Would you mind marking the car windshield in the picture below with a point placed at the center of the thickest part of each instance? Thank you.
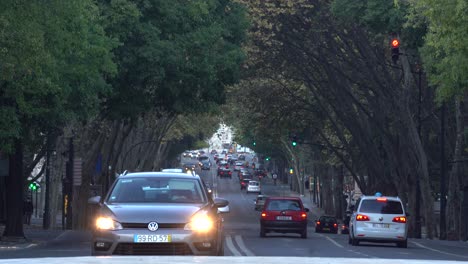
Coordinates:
(381, 207)
(282, 205)
(157, 190)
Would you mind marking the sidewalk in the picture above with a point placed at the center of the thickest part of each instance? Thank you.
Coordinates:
(34, 235)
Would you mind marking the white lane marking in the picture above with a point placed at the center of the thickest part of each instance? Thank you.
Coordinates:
(333, 241)
(242, 246)
(438, 251)
(231, 246)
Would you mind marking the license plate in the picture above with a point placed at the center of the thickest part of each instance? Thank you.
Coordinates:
(381, 225)
(326, 229)
(281, 217)
(152, 238)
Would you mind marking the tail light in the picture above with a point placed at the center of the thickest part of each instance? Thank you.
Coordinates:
(361, 217)
(399, 219)
(381, 199)
(318, 222)
(343, 227)
(264, 214)
(335, 225)
(304, 215)
(230, 173)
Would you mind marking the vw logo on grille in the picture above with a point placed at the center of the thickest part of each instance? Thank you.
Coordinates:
(153, 226)
(381, 219)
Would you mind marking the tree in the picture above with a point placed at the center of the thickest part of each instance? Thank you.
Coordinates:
(53, 58)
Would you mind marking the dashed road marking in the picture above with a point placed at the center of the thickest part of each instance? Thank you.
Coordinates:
(439, 251)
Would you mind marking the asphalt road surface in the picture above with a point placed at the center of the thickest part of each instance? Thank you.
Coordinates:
(242, 235)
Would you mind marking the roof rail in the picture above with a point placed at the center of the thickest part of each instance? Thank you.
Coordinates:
(124, 173)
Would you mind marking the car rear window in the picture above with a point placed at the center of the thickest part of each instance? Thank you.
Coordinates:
(381, 207)
(253, 183)
(326, 219)
(282, 205)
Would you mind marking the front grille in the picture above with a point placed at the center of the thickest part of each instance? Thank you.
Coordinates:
(145, 225)
(152, 249)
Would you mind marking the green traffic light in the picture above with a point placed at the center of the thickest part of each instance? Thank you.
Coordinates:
(294, 143)
(254, 143)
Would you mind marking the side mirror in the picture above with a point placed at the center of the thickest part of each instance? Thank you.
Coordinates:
(219, 202)
(94, 200)
(224, 210)
(307, 209)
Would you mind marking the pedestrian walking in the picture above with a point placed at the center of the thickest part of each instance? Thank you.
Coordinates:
(28, 210)
(274, 176)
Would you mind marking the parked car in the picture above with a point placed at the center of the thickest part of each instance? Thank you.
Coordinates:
(254, 186)
(326, 224)
(180, 216)
(379, 219)
(284, 215)
(260, 202)
(213, 151)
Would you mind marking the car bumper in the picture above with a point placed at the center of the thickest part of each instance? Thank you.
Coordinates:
(327, 229)
(381, 235)
(284, 225)
(183, 242)
(253, 190)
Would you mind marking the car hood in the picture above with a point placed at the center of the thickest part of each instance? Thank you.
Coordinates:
(144, 213)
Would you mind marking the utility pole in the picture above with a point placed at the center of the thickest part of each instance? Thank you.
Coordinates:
(46, 218)
(443, 200)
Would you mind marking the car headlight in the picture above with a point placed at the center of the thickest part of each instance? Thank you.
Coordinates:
(200, 222)
(107, 223)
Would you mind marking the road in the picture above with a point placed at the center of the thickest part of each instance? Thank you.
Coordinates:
(242, 235)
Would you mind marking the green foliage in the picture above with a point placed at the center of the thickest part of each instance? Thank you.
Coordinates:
(53, 57)
(382, 18)
(178, 55)
(445, 52)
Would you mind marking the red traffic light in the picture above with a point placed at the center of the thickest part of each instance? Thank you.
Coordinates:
(395, 43)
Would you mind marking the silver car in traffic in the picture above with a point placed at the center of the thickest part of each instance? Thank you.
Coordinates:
(158, 213)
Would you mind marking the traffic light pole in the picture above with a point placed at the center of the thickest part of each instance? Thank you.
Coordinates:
(46, 218)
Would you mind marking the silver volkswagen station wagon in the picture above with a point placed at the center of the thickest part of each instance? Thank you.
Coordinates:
(158, 213)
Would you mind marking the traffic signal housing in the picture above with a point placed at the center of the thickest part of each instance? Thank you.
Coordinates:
(395, 50)
(294, 141)
(33, 186)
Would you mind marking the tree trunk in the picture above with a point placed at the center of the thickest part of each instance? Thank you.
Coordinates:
(454, 194)
(15, 195)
